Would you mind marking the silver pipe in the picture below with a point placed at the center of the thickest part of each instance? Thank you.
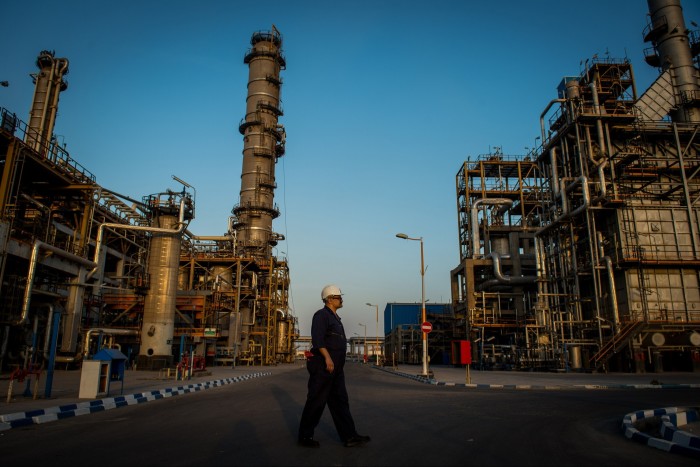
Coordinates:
(34, 260)
(68, 359)
(108, 331)
(212, 238)
(583, 180)
(598, 112)
(555, 171)
(505, 205)
(496, 257)
(100, 235)
(600, 164)
(613, 292)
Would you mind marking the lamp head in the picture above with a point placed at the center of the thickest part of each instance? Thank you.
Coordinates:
(402, 235)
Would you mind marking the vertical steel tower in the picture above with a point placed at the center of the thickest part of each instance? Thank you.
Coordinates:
(668, 34)
(48, 84)
(263, 140)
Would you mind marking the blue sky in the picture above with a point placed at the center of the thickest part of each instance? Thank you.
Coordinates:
(383, 102)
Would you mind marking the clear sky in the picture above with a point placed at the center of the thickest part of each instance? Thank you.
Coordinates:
(383, 101)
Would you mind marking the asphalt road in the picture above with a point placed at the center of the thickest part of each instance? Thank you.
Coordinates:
(255, 423)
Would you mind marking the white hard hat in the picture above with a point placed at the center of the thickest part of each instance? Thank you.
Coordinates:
(330, 290)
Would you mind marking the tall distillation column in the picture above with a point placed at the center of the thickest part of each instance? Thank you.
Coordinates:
(264, 140)
(668, 34)
(263, 144)
(168, 212)
(48, 84)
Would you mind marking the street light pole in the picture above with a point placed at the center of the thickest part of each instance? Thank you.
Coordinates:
(376, 348)
(424, 336)
(364, 348)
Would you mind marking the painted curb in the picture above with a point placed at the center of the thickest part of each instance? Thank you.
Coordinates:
(684, 447)
(50, 414)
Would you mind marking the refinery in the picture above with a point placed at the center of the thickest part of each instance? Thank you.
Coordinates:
(83, 267)
(581, 255)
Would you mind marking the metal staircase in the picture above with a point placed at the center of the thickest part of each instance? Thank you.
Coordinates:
(613, 345)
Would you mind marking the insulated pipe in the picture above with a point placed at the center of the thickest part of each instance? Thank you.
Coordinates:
(34, 260)
(583, 180)
(555, 180)
(611, 281)
(100, 235)
(108, 331)
(503, 279)
(505, 205)
(598, 123)
(555, 171)
(213, 238)
(600, 164)
(613, 292)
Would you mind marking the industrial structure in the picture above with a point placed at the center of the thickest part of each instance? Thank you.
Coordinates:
(84, 268)
(585, 253)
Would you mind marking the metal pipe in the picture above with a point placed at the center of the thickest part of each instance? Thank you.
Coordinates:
(496, 257)
(555, 171)
(600, 164)
(613, 292)
(108, 331)
(505, 205)
(544, 112)
(100, 235)
(47, 336)
(34, 260)
(215, 238)
(686, 194)
(598, 112)
(583, 180)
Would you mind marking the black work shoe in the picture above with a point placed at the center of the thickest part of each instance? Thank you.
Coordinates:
(309, 443)
(356, 440)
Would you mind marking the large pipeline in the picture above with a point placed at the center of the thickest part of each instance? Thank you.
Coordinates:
(504, 204)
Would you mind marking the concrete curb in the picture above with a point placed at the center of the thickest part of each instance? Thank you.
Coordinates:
(19, 419)
(682, 446)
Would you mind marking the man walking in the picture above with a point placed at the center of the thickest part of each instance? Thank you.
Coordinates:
(326, 377)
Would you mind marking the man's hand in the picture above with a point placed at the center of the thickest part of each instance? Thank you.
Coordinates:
(329, 365)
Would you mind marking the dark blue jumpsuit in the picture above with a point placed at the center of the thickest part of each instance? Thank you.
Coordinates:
(326, 388)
